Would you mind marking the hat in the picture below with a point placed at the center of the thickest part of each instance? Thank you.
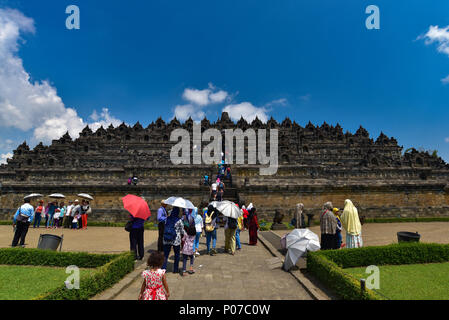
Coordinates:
(76, 200)
(335, 210)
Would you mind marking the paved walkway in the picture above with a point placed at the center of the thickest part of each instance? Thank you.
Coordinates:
(380, 234)
(252, 274)
(93, 239)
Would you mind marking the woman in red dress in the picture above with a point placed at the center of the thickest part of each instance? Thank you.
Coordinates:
(253, 226)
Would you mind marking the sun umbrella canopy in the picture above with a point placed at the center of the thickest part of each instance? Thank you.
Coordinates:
(85, 196)
(57, 196)
(298, 242)
(179, 202)
(227, 208)
(33, 195)
(136, 206)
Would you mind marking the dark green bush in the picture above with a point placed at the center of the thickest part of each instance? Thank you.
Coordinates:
(328, 265)
(20, 256)
(90, 285)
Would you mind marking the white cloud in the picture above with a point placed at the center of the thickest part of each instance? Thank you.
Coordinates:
(446, 139)
(438, 35)
(183, 112)
(32, 106)
(247, 111)
(278, 102)
(445, 80)
(204, 97)
(4, 157)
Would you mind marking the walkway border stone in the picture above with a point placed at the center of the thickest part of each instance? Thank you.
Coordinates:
(311, 289)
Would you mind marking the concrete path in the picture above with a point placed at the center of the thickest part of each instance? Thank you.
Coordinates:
(380, 234)
(252, 274)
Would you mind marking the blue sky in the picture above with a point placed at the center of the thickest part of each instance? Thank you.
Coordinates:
(308, 60)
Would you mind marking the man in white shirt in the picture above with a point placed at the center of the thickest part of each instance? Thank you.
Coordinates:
(213, 190)
(21, 221)
(68, 216)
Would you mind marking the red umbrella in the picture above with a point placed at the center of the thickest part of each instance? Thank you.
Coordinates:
(137, 206)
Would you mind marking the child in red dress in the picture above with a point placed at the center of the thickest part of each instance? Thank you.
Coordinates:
(154, 286)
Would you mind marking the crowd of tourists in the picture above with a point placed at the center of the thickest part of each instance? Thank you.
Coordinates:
(181, 230)
(55, 215)
(332, 223)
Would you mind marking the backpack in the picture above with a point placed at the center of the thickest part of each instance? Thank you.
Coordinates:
(169, 230)
(208, 222)
(232, 223)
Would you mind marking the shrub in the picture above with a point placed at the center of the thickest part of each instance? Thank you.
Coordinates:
(328, 265)
(110, 268)
(90, 285)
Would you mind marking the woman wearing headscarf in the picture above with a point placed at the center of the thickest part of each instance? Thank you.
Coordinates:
(253, 225)
(351, 223)
(173, 231)
(328, 227)
(245, 217)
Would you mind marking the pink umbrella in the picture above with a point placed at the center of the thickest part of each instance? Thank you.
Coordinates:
(137, 206)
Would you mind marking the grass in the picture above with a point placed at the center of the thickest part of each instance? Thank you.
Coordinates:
(27, 282)
(411, 282)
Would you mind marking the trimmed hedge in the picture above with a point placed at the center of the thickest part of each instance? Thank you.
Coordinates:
(105, 277)
(38, 257)
(328, 265)
(110, 268)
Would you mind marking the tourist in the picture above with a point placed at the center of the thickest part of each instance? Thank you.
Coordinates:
(230, 227)
(221, 189)
(240, 228)
(173, 232)
(154, 286)
(135, 180)
(229, 175)
(67, 221)
(188, 239)
(136, 237)
(298, 220)
(351, 222)
(130, 181)
(51, 213)
(21, 222)
(328, 227)
(161, 218)
(339, 227)
(39, 211)
(213, 191)
(253, 225)
(206, 180)
(211, 226)
(74, 224)
(245, 217)
(85, 211)
(199, 230)
(76, 214)
(56, 217)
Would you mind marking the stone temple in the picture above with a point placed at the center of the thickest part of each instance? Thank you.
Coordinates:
(316, 164)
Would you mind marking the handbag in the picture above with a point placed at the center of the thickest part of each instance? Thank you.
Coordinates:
(129, 226)
(21, 217)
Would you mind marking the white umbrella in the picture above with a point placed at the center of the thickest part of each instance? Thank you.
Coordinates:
(227, 208)
(57, 196)
(179, 202)
(85, 196)
(33, 195)
(298, 242)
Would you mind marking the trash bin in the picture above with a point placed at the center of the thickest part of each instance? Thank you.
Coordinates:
(49, 242)
(404, 236)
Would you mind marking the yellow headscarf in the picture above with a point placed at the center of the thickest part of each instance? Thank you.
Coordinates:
(350, 219)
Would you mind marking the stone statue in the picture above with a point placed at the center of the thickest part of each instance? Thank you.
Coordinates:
(277, 221)
(299, 219)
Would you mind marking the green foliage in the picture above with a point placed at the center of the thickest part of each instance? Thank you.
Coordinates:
(38, 257)
(110, 269)
(328, 265)
(419, 219)
(92, 284)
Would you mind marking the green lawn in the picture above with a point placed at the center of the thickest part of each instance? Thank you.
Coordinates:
(27, 282)
(411, 282)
